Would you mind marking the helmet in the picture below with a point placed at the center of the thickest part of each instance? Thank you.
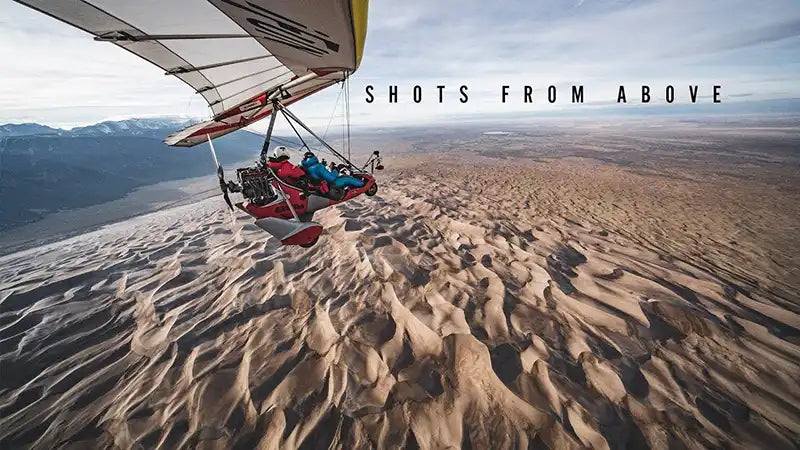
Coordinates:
(309, 159)
(281, 151)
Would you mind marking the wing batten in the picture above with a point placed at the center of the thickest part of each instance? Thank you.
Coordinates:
(243, 77)
(121, 36)
(182, 70)
(250, 88)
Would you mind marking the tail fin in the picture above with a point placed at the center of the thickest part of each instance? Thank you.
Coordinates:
(291, 232)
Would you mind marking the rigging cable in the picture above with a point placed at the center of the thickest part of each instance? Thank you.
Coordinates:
(333, 113)
(295, 129)
(344, 89)
(347, 107)
(316, 148)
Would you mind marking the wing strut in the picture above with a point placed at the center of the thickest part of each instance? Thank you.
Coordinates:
(265, 147)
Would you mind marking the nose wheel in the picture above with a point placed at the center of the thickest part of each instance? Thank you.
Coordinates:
(310, 244)
(372, 190)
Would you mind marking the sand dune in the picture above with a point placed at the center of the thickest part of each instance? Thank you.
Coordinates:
(563, 305)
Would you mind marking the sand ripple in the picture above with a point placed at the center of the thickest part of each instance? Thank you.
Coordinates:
(451, 320)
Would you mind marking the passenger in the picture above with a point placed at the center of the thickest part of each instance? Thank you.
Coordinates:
(283, 168)
(318, 171)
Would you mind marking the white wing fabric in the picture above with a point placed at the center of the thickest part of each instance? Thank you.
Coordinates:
(234, 53)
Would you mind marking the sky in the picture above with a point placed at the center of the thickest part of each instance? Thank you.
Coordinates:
(57, 75)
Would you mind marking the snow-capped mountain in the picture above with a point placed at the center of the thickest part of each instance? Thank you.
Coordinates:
(158, 127)
(151, 127)
(26, 129)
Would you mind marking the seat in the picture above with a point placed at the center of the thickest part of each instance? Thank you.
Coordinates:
(309, 184)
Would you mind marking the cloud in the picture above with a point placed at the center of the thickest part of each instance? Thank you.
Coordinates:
(761, 35)
(750, 48)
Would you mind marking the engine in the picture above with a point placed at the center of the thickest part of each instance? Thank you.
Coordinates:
(256, 184)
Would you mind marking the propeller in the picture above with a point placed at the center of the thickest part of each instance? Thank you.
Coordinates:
(220, 175)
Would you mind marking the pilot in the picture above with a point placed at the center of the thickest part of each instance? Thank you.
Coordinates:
(283, 168)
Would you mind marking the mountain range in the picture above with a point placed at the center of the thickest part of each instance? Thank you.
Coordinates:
(44, 170)
(151, 127)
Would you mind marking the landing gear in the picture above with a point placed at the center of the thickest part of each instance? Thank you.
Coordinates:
(372, 190)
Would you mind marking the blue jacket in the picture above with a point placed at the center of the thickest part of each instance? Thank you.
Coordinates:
(318, 171)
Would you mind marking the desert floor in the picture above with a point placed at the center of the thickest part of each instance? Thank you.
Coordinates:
(481, 299)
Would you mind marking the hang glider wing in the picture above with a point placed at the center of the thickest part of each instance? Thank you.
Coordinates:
(235, 53)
